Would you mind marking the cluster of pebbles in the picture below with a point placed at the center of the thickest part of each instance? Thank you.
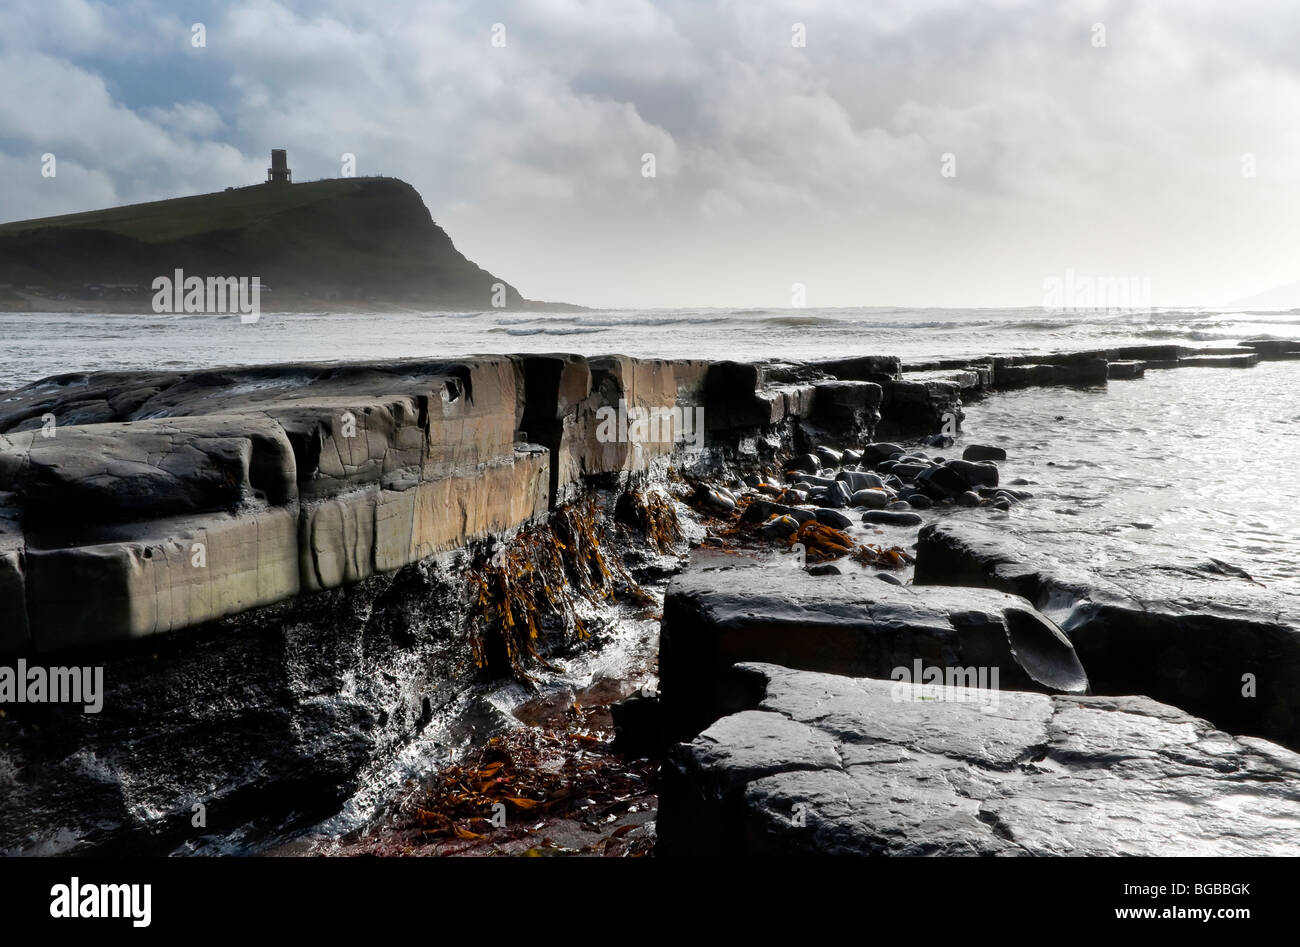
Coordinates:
(886, 481)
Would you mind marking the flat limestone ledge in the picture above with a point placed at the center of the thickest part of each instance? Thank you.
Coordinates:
(1245, 360)
(186, 571)
(1094, 367)
(163, 575)
(348, 538)
(1194, 633)
(823, 764)
(850, 624)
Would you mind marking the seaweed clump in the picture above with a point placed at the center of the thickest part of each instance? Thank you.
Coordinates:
(538, 582)
(517, 782)
(653, 515)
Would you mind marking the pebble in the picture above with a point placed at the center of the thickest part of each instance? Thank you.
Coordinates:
(815, 481)
(875, 453)
(858, 480)
(780, 527)
(825, 568)
(717, 499)
(876, 499)
(891, 518)
(983, 452)
(838, 495)
(760, 511)
(833, 518)
(808, 463)
(891, 579)
(908, 471)
(828, 456)
(969, 498)
(976, 475)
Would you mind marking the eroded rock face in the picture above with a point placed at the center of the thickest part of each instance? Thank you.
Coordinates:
(851, 624)
(267, 719)
(1191, 633)
(201, 497)
(824, 764)
(167, 501)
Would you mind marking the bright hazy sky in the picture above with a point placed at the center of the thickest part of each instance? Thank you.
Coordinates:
(776, 164)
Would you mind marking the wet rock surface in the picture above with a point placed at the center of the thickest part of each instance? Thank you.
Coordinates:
(265, 719)
(1194, 633)
(321, 635)
(826, 764)
(851, 624)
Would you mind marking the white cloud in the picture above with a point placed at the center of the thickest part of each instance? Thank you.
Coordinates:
(775, 164)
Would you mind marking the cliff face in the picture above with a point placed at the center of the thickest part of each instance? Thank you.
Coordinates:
(169, 500)
(270, 563)
(349, 241)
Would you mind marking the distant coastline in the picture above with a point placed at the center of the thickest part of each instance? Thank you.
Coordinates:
(343, 244)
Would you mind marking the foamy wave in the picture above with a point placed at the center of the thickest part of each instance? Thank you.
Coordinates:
(571, 330)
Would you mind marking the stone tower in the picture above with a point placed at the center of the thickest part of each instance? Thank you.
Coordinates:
(278, 172)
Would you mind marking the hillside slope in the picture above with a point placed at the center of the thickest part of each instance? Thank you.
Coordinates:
(347, 242)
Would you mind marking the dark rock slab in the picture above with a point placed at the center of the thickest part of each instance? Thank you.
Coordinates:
(1189, 633)
(1081, 372)
(1126, 369)
(892, 518)
(829, 765)
(978, 452)
(1274, 349)
(844, 411)
(851, 624)
(918, 408)
(1245, 360)
(1155, 356)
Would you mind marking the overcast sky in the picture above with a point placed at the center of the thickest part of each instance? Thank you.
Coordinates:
(775, 164)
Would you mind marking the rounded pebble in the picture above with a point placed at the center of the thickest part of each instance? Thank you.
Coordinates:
(891, 518)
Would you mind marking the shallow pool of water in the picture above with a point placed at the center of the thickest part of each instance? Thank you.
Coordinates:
(1188, 462)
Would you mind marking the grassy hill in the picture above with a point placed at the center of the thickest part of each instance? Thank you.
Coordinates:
(350, 241)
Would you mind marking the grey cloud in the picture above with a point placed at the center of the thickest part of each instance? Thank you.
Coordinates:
(776, 164)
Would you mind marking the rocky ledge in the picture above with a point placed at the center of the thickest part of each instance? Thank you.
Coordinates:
(848, 624)
(287, 572)
(1196, 633)
(824, 764)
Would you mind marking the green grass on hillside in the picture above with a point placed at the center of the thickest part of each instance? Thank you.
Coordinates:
(180, 217)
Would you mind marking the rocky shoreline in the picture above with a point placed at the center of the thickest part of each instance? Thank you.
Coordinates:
(289, 572)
